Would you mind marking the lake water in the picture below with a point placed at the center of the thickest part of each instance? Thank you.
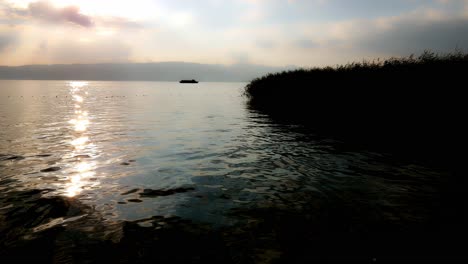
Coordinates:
(165, 171)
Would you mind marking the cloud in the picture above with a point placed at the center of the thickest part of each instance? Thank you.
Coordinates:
(402, 35)
(118, 22)
(69, 15)
(33, 45)
(6, 40)
(396, 35)
(241, 57)
(271, 32)
(337, 42)
(45, 11)
(104, 51)
(410, 37)
(305, 43)
(266, 44)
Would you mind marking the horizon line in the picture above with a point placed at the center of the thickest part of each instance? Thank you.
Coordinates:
(160, 62)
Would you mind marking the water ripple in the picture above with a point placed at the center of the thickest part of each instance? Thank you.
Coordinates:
(135, 151)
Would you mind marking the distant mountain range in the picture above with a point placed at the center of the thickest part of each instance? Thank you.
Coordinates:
(162, 71)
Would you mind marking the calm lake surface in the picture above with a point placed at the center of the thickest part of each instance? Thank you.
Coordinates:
(143, 171)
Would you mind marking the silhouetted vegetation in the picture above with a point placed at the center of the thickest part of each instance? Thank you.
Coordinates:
(413, 105)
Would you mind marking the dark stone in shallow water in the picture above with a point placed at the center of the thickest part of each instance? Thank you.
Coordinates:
(51, 169)
(82, 156)
(225, 196)
(129, 192)
(155, 193)
(135, 200)
(125, 163)
(43, 155)
(14, 157)
(19, 244)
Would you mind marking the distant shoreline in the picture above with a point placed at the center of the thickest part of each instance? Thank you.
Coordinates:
(164, 71)
(86, 80)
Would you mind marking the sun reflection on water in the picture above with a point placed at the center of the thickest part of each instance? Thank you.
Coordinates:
(80, 143)
(78, 98)
(81, 123)
(81, 179)
(83, 172)
(77, 84)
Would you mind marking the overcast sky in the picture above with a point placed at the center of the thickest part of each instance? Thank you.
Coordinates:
(268, 32)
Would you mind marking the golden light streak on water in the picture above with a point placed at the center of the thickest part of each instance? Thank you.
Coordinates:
(80, 143)
(81, 180)
(84, 170)
(78, 98)
(77, 84)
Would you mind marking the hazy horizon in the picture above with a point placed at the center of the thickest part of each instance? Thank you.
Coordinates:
(163, 71)
(142, 63)
(261, 32)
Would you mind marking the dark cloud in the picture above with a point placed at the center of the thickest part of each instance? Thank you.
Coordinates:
(47, 12)
(390, 36)
(409, 36)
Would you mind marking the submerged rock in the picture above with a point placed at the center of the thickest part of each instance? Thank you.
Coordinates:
(134, 200)
(43, 155)
(51, 169)
(11, 157)
(84, 156)
(129, 192)
(155, 193)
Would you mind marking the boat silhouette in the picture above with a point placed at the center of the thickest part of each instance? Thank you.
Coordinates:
(188, 81)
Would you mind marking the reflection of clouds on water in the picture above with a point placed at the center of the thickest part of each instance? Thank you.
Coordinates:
(83, 171)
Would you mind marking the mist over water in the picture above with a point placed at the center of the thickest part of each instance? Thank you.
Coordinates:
(139, 152)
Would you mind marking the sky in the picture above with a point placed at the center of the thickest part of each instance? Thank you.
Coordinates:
(303, 33)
